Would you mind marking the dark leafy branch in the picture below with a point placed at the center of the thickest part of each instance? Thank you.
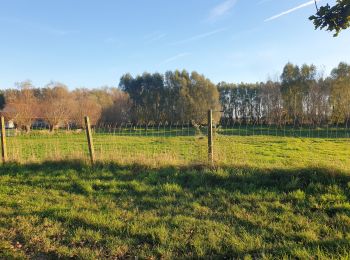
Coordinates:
(334, 18)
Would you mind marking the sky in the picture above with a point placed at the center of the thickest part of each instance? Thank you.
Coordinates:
(92, 43)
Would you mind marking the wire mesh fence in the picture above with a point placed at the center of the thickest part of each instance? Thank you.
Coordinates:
(166, 143)
(235, 143)
(125, 143)
(287, 145)
(43, 145)
(284, 130)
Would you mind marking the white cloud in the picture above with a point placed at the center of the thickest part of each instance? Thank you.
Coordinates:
(291, 10)
(174, 58)
(222, 9)
(200, 36)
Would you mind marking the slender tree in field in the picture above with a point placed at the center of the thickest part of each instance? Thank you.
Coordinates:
(333, 18)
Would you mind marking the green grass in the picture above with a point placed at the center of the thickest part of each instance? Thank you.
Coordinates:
(153, 196)
(260, 151)
(286, 131)
(67, 209)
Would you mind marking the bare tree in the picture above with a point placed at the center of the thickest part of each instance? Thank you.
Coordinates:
(85, 104)
(57, 105)
(22, 105)
(119, 111)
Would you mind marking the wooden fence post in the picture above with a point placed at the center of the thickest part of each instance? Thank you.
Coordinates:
(3, 140)
(90, 141)
(210, 137)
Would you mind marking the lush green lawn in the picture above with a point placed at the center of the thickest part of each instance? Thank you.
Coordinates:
(268, 197)
(67, 209)
(260, 151)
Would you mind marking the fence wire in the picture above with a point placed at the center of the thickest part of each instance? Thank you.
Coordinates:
(285, 146)
(43, 145)
(155, 144)
(182, 143)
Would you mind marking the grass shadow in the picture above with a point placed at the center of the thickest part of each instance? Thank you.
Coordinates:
(218, 212)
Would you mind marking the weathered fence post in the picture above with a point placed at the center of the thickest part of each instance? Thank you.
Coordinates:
(3, 140)
(210, 137)
(90, 141)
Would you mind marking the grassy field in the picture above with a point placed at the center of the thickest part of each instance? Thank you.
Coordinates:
(262, 152)
(65, 210)
(153, 196)
(183, 148)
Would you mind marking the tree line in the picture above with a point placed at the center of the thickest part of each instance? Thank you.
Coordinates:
(300, 96)
(56, 106)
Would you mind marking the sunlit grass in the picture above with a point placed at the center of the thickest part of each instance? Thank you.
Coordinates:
(154, 196)
(260, 151)
(68, 210)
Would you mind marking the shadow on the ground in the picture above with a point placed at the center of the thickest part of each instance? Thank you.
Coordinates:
(192, 176)
(146, 187)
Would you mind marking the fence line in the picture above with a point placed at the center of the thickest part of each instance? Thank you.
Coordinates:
(3, 140)
(89, 139)
(231, 142)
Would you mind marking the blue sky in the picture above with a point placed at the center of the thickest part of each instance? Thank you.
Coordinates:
(91, 43)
